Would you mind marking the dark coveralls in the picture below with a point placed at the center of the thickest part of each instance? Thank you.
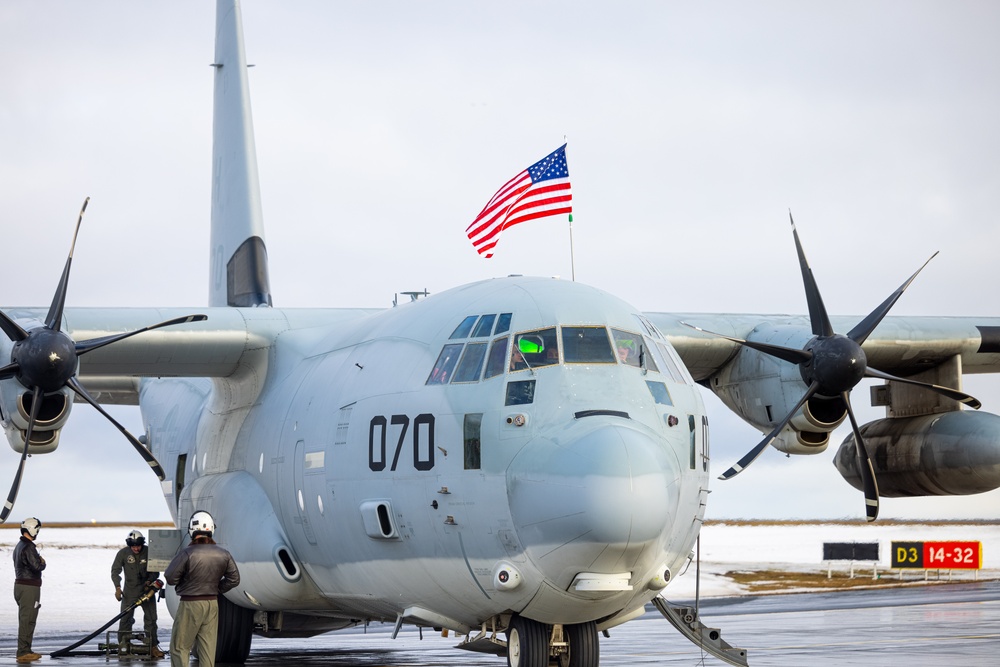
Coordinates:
(136, 579)
(28, 566)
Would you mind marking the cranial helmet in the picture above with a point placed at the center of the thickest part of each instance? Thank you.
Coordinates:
(201, 523)
(31, 526)
(135, 539)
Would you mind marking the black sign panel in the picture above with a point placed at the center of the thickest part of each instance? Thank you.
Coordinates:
(850, 551)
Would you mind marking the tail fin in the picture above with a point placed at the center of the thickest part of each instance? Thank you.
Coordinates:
(238, 264)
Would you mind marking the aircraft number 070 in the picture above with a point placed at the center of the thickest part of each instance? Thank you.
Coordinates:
(421, 439)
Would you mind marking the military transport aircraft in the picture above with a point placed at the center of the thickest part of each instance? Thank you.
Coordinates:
(523, 461)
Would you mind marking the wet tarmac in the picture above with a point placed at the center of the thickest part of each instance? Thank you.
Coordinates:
(925, 626)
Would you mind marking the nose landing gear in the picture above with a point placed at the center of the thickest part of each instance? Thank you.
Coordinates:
(534, 644)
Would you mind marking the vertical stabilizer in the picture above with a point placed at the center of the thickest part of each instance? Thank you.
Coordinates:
(238, 264)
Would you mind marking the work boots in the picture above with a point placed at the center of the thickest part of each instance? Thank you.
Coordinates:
(28, 657)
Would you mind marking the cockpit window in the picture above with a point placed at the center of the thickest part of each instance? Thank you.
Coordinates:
(484, 327)
(445, 364)
(671, 364)
(463, 329)
(627, 346)
(498, 355)
(471, 363)
(587, 345)
(503, 324)
(660, 393)
(533, 349)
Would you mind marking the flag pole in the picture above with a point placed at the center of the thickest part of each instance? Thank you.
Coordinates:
(572, 261)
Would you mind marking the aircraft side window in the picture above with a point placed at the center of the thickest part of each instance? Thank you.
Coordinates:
(692, 437)
(648, 360)
(673, 365)
(704, 443)
(472, 450)
(471, 363)
(445, 364)
(520, 393)
(484, 327)
(498, 355)
(534, 349)
(627, 346)
(503, 324)
(587, 345)
(660, 392)
(463, 329)
(650, 327)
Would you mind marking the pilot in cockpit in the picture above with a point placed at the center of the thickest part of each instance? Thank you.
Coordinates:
(626, 351)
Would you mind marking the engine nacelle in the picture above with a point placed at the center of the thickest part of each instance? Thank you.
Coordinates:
(950, 454)
(15, 410)
(762, 390)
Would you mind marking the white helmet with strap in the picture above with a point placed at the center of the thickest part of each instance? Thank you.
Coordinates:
(31, 526)
(135, 539)
(201, 523)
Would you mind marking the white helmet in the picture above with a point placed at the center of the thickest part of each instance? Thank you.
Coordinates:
(201, 523)
(135, 539)
(31, 526)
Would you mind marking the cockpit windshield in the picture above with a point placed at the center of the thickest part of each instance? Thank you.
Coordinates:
(533, 349)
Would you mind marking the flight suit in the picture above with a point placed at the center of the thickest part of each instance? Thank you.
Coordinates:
(28, 566)
(133, 565)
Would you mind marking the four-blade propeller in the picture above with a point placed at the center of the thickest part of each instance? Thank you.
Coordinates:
(831, 365)
(45, 360)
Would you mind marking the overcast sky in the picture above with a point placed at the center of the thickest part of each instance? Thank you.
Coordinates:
(383, 127)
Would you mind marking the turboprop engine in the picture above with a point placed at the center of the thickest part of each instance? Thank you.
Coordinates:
(761, 389)
(950, 454)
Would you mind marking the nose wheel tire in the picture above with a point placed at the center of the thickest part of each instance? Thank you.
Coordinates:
(527, 643)
(584, 645)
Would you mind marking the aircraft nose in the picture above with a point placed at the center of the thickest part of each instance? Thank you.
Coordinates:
(595, 497)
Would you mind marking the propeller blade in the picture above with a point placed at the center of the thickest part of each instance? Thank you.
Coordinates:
(8, 505)
(52, 320)
(818, 318)
(752, 455)
(90, 345)
(867, 471)
(859, 334)
(789, 354)
(75, 385)
(11, 328)
(953, 394)
(10, 370)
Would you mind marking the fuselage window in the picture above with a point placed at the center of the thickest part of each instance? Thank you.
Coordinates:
(520, 393)
(471, 363)
(587, 345)
(534, 349)
(627, 345)
(498, 355)
(445, 363)
(503, 324)
(473, 429)
(463, 329)
(693, 436)
(660, 393)
(484, 327)
(704, 443)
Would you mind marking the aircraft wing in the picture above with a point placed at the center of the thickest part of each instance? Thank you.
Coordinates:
(903, 346)
(230, 339)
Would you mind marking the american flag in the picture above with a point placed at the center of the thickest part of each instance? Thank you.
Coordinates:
(539, 191)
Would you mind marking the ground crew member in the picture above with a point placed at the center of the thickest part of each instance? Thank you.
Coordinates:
(132, 559)
(28, 566)
(200, 572)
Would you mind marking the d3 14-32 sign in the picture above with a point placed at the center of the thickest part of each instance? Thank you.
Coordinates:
(938, 555)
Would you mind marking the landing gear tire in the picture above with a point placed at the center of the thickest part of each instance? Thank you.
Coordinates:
(584, 644)
(527, 643)
(235, 632)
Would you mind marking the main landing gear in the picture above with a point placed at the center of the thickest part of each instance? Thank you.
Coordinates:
(534, 644)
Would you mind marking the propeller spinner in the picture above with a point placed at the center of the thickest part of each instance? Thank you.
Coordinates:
(831, 365)
(45, 359)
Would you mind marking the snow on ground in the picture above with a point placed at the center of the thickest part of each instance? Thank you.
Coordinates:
(78, 596)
